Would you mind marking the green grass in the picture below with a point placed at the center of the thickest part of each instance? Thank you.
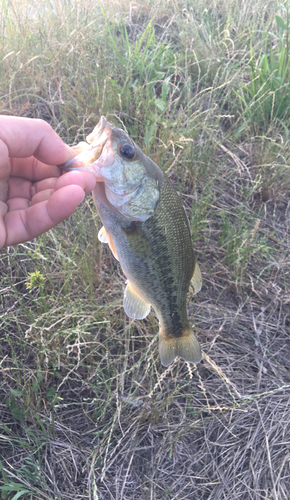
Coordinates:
(86, 409)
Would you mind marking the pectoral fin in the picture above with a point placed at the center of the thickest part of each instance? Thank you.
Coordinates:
(104, 237)
(196, 280)
(135, 307)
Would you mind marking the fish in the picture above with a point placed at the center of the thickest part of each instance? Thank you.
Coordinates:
(147, 230)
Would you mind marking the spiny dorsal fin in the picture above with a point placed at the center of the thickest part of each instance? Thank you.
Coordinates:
(135, 307)
(196, 280)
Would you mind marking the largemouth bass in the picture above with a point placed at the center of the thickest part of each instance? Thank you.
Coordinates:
(147, 231)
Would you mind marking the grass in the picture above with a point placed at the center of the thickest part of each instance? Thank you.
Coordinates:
(86, 409)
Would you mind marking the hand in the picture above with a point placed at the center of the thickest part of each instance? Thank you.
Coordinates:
(34, 195)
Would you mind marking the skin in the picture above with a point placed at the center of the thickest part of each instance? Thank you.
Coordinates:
(34, 195)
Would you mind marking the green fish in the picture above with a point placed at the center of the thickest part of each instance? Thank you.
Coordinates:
(147, 231)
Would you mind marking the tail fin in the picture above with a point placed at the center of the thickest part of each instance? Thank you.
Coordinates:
(186, 347)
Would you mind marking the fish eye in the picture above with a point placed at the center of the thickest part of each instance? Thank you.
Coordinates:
(127, 151)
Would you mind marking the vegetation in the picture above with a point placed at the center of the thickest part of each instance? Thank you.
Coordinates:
(86, 409)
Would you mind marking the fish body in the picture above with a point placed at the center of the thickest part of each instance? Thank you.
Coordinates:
(148, 232)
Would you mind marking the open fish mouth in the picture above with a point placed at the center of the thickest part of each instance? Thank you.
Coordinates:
(98, 136)
(90, 151)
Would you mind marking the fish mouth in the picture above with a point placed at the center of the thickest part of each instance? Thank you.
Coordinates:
(90, 151)
(97, 138)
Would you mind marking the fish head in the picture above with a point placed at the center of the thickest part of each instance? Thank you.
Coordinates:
(129, 177)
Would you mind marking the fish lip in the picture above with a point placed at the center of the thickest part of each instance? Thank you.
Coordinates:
(94, 138)
(96, 141)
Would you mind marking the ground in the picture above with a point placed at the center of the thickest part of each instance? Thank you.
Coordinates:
(86, 409)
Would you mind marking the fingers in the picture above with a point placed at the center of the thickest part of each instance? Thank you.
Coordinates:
(20, 139)
(48, 207)
(24, 225)
(3, 211)
(20, 189)
(4, 171)
(87, 180)
(37, 196)
(24, 137)
(42, 190)
(32, 169)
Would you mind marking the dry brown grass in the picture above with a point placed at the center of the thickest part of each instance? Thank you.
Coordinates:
(86, 409)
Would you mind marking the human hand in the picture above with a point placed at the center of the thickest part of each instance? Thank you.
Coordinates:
(34, 195)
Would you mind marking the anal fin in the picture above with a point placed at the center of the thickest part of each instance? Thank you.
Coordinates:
(135, 307)
(186, 347)
(196, 280)
(104, 237)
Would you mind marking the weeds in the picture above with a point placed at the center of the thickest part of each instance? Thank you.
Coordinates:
(266, 98)
(86, 409)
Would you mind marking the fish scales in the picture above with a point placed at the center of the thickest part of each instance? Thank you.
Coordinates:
(148, 232)
(173, 259)
(163, 275)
